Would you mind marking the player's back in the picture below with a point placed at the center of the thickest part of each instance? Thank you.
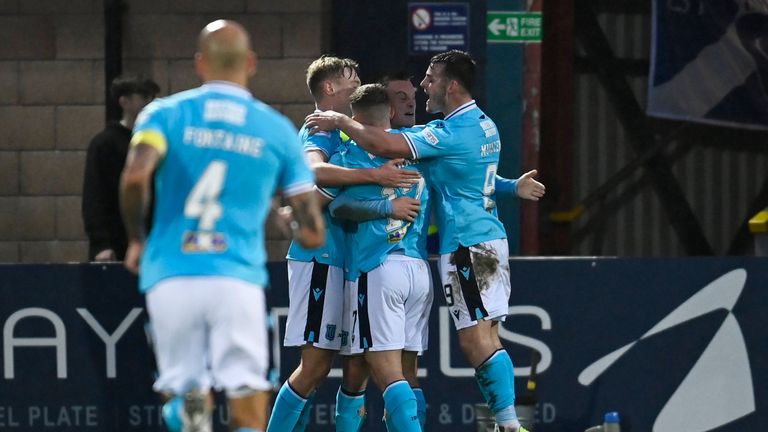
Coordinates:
(372, 240)
(226, 154)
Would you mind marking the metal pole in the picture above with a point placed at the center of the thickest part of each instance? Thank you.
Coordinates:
(113, 52)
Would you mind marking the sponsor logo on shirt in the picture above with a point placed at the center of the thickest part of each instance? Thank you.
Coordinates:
(493, 147)
(225, 111)
(489, 128)
(430, 137)
(203, 241)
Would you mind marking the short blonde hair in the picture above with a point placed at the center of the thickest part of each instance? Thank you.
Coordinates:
(328, 67)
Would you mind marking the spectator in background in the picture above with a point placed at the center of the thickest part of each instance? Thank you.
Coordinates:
(106, 157)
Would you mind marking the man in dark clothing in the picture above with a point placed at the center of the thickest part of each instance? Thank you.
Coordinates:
(104, 163)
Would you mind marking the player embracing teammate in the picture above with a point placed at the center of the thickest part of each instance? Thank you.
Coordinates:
(459, 156)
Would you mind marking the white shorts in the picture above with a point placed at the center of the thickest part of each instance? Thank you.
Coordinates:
(389, 307)
(476, 282)
(349, 320)
(209, 331)
(316, 303)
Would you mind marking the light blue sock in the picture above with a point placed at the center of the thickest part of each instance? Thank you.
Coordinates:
(350, 410)
(421, 405)
(303, 422)
(496, 380)
(400, 403)
(510, 367)
(287, 410)
(508, 416)
(172, 414)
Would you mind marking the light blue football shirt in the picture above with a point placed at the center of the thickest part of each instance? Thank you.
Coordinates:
(225, 155)
(460, 155)
(332, 252)
(369, 242)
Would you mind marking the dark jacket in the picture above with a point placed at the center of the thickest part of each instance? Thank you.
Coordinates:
(101, 184)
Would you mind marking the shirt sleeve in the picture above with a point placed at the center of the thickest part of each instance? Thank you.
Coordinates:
(432, 141)
(296, 176)
(506, 186)
(332, 192)
(322, 141)
(150, 128)
(348, 207)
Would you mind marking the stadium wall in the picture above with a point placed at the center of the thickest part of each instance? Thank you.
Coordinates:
(52, 95)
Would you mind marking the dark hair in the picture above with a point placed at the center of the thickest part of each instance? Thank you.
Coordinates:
(327, 67)
(459, 66)
(400, 75)
(369, 96)
(126, 85)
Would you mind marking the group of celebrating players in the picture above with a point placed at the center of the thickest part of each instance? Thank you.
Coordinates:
(217, 154)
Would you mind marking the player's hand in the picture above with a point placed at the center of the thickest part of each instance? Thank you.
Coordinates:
(391, 175)
(405, 208)
(528, 188)
(278, 224)
(323, 121)
(287, 223)
(133, 255)
(105, 256)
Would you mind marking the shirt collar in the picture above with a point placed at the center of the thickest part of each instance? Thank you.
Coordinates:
(462, 109)
(227, 87)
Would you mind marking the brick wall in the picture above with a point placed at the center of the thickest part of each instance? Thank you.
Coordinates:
(52, 97)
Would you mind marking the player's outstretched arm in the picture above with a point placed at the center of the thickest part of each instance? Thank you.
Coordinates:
(375, 140)
(387, 175)
(505, 186)
(528, 188)
(135, 196)
(308, 225)
(524, 187)
(332, 175)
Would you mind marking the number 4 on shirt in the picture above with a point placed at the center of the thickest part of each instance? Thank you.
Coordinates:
(203, 201)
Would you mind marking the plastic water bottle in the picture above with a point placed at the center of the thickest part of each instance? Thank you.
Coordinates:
(611, 422)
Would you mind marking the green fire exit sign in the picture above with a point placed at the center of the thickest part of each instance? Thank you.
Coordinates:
(513, 26)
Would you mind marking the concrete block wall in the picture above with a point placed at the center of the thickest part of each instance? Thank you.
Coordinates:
(52, 95)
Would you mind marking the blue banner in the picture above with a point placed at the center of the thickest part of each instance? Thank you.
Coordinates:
(709, 62)
(672, 344)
